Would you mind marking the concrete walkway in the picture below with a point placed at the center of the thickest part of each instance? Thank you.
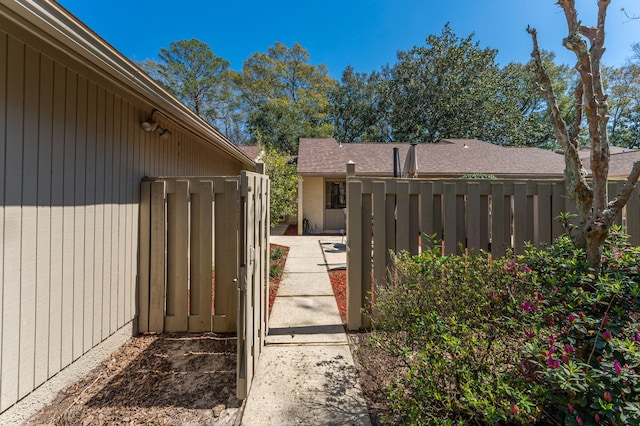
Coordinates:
(306, 374)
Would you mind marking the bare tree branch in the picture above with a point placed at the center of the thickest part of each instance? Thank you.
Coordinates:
(575, 174)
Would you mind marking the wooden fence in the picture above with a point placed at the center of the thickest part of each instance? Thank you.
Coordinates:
(492, 215)
(204, 260)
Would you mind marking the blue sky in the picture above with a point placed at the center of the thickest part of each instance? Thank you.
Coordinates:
(338, 33)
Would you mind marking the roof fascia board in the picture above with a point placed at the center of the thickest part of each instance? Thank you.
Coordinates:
(50, 21)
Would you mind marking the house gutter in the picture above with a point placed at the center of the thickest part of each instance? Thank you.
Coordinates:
(50, 21)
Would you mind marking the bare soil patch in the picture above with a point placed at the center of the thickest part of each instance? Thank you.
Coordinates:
(167, 379)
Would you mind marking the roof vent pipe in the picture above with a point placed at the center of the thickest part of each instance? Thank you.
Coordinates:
(396, 162)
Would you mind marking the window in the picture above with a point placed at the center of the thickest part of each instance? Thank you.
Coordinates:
(335, 195)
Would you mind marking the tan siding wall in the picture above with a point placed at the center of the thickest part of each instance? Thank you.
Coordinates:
(313, 201)
(72, 155)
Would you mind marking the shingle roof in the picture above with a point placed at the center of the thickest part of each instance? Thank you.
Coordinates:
(620, 162)
(449, 157)
(252, 151)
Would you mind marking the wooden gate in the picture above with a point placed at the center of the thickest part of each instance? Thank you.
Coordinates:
(204, 259)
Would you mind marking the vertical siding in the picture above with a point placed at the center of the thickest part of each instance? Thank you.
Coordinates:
(12, 224)
(44, 230)
(3, 128)
(72, 155)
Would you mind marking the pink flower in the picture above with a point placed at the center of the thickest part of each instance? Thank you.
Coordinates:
(529, 335)
(608, 397)
(565, 358)
(515, 410)
(617, 367)
(570, 407)
(571, 318)
(550, 320)
(606, 335)
(526, 306)
(554, 289)
(581, 315)
(539, 296)
(552, 341)
(568, 348)
(597, 418)
(579, 420)
(553, 363)
(525, 268)
(605, 320)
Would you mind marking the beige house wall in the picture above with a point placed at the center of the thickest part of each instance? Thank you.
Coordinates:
(313, 202)
(73, 154)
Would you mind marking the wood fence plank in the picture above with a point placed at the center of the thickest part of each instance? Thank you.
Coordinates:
(177, 256)
(201, 255)
(367, 232)
(389, 227)
(414, 224)
(379, 234)
(613, 190)
(520, 217)
(144, 254)
(558, 205)
(633, 217)
(498, 237)
(354, 254)
(157, 257)
(226, 253)
(450, 218)
(402, 215)
(473, 216)
(461, 222)
(543, 215)
(426, 210)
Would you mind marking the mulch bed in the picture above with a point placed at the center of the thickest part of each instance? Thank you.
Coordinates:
(274, 282)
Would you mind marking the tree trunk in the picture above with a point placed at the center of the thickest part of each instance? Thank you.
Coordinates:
(595, 213)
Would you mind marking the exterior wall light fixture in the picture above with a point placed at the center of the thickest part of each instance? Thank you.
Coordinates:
(150, 125)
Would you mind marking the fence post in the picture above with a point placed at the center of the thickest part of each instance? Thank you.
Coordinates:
(354, 251)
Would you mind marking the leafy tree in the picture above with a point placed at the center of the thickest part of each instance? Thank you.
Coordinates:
(284, 96)
(201, 80)
(356, 113)
(595, 212)
(532, 127)
(450, 88)
(283, 174)
(624, 99)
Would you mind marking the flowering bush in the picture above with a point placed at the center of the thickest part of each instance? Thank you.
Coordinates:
(520, 339)
(583, 331)
(449, 318)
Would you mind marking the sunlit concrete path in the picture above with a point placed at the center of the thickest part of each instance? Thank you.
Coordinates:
(306, 374)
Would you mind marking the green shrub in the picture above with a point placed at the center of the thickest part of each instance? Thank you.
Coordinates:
(276, 253)
(449, 319)
(478, 176)
(520, 339)
(584, 331)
